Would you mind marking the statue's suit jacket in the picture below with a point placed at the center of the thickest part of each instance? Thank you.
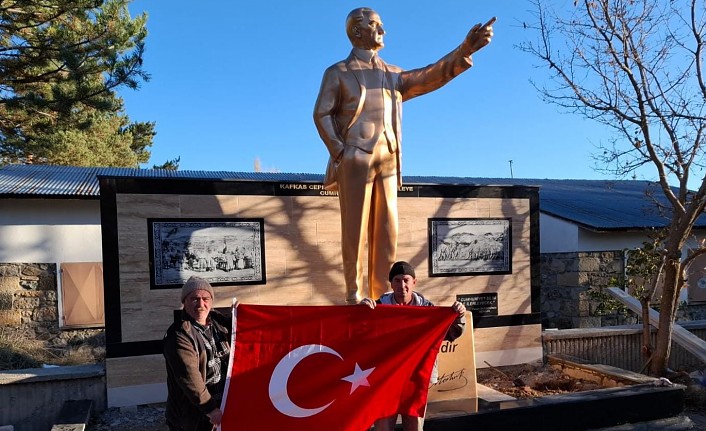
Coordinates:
(342, 96)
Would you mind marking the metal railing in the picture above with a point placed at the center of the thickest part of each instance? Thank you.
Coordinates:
(618, 346)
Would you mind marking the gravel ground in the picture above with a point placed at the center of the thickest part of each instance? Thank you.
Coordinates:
(151, 418)
(141, 418)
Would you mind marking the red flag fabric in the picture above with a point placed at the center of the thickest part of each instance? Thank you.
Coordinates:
(330, 368)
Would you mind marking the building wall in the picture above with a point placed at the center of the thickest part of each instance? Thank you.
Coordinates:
(599, 241)
(557, 235)
(50, 230)
(560, 236)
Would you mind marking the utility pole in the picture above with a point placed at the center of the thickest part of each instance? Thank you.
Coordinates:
(511, 169)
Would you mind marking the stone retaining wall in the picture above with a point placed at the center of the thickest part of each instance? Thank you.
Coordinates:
(28, 305)
(569, 281)
(566, 279)
(28, 296)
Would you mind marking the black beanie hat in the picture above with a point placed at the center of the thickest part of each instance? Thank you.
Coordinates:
(403, 268)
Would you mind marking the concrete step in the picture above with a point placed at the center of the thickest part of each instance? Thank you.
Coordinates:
(676, 423)
(74, 416)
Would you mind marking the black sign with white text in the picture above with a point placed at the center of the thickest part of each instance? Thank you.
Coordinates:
(480, 304)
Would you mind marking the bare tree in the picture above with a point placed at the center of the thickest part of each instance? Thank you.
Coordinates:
(636, 66)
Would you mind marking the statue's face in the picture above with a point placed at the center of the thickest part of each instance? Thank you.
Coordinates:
(370, 32)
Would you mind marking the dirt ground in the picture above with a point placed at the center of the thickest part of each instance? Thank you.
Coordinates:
(531, 380)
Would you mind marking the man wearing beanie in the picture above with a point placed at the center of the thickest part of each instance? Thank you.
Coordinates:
(196, 349)
(403, 281)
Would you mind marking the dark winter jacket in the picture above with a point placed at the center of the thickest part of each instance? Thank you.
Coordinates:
(188, 399)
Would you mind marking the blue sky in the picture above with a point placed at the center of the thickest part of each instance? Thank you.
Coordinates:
(235, 82)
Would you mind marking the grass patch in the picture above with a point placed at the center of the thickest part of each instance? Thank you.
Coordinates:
(19, 349)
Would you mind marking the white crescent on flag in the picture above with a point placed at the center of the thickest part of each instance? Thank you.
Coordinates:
(280, 376)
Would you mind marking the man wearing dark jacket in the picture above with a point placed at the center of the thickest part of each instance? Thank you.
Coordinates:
(196, 349)
(403, 280)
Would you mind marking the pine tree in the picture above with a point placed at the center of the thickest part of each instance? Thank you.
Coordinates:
(61, 63)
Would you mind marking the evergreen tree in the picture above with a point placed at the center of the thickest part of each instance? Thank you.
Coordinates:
(61, 62)
(170, 165)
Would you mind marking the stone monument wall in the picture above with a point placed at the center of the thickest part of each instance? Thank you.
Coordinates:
(157, 232)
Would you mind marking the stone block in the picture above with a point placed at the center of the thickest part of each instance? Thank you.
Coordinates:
(569, 308)
(45, 314)
(572, 265)
(567, 279)
(9, 284)
(584, 308)
(551, 307)
(10, 318)
(586, 322)
(31, 271)
(47, 282)
(589, 264)
(557, 265)
(26, 303)
(551, 294)
(9, 270)
(599, 281)
(29, 283)
(616, 267)
(548, 280)
(6, 299)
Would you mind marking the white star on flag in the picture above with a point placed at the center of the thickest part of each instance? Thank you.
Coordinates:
(359, 377)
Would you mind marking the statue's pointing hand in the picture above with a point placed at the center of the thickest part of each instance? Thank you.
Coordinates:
(479, 36)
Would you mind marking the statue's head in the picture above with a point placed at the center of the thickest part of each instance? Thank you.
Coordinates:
(364, 29)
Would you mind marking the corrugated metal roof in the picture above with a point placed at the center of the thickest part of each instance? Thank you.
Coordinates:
(601, 205)
(82, 182)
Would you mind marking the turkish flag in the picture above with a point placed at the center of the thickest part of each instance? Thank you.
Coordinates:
(330, 368)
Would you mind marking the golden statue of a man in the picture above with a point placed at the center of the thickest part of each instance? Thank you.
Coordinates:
(358, 116)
